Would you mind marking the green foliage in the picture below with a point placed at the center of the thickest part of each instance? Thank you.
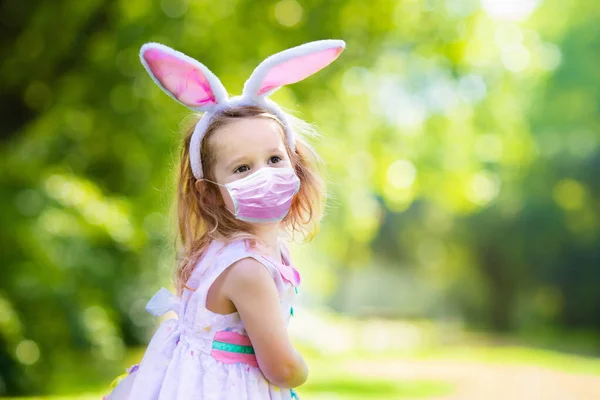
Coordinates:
(461, 147)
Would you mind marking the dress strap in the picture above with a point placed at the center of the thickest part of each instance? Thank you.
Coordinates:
(285, 268)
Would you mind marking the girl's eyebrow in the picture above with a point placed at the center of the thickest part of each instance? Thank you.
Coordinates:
(236, 161)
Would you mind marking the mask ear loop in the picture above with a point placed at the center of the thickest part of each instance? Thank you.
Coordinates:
(208, 180)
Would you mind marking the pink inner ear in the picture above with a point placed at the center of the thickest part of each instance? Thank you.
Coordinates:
(186, 81)
(298, 68)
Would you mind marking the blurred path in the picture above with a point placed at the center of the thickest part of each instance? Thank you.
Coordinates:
(481, 381)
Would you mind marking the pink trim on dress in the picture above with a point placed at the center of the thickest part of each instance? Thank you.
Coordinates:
(229, 357)
(232, 338)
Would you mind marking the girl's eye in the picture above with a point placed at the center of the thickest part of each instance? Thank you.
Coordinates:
(275, 159)
(242, 169)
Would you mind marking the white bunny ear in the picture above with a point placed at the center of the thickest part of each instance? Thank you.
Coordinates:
(291, 66)
(183, 78)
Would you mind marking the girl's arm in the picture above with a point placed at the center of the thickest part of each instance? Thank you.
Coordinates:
(249, 285)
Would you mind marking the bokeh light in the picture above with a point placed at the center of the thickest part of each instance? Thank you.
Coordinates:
(512, 10)
(458, 254)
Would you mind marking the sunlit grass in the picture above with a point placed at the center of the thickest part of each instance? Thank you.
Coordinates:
(334, 376)
(517, 355)
(354, 388)
(330, 379)
(505, 355)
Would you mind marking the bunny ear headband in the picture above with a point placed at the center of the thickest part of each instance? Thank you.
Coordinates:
(196, 87)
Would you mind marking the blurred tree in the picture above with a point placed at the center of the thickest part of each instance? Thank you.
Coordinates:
(460, 144)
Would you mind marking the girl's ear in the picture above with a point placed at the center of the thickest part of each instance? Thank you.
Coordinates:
(291, 66)
(183, 78)
(210, 194)
(199, 185)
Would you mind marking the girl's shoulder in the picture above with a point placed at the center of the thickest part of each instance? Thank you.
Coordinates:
(220, 255)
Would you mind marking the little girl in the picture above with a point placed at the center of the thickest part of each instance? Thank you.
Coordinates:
(245, 178)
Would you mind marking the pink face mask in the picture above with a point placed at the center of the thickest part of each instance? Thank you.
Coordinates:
(264, 196)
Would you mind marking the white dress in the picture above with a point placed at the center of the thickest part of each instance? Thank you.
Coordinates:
(202, 355)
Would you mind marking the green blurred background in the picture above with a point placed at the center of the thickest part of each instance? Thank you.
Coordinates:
(460, 254)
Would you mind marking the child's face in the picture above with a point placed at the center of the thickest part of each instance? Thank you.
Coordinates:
(245, 146)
